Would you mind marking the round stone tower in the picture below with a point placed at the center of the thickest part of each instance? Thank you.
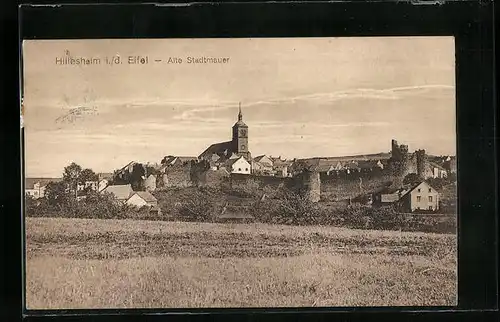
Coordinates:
(421, 163)
(311, 185)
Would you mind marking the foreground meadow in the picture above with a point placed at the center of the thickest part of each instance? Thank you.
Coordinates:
(90, 263)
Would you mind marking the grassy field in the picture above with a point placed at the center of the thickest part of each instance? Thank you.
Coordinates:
(77, 263)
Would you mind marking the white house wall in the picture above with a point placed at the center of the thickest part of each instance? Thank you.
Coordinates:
(241, 166)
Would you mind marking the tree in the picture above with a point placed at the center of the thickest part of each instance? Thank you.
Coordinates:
(87, 175)
(411, 178)
(136, 177)
(71, 176)
(56, 194)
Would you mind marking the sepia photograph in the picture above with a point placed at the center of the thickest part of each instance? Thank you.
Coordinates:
(239, 172)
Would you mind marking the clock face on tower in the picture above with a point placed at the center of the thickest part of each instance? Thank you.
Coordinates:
(243, 147)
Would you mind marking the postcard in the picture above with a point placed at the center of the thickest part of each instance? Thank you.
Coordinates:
(240, 172)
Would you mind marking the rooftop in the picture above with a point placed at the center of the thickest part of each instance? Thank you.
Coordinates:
(146, 195)
(121, 192)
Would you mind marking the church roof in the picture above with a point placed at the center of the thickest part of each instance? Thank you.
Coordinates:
(216, 148)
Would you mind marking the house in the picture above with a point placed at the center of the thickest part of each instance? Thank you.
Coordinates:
(142, 199)
(420, 196)
(35, 187)
(390, 196)
(437, 171)
(102, 184)
(262, 165)
(325, 168)
(91, 185)
(281, 166)
(120, 192)
(352, 167)
(264, 160)
(240, 165)
(150, 183)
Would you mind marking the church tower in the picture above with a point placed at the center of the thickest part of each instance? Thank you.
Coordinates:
(240, 137)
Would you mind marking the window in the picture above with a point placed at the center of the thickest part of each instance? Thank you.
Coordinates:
(430, 198)
(418, 198)
(246, 169)
(430, 190)
(418, 190)
(239, 169)
(430, 208)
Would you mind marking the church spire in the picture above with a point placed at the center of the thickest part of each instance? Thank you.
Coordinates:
(240, 116)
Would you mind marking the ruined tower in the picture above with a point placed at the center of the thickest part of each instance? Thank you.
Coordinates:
(421, 163)
(310, 184)
(399, 158)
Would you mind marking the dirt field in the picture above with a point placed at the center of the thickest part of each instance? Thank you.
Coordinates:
(73, 263)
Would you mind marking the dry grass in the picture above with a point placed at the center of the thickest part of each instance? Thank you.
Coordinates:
(76, 263)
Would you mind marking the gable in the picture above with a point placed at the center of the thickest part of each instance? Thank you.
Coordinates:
(242, 161)
(136, 199)
(264, 159)
(423, 186)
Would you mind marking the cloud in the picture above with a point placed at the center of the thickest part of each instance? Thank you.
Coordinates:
(395, 93)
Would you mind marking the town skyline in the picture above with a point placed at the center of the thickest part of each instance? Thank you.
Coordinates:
(352, 98)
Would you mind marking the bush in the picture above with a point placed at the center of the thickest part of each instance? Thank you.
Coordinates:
(36, 207)
(250, 189)
(94, 205)
(282, 206)
(199, 204)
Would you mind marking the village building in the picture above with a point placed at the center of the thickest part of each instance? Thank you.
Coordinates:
(421, 197)
(150, 183)
(142, 199)
(418, 197)
(262, 165)
(238, 146)
(35, 187)
(239, 165)
(103, 183)
(281, 166)
(437, 171)
(120, 192)
(88, 185)
(104, 178)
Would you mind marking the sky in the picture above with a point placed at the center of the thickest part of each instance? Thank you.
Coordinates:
(300, 97)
